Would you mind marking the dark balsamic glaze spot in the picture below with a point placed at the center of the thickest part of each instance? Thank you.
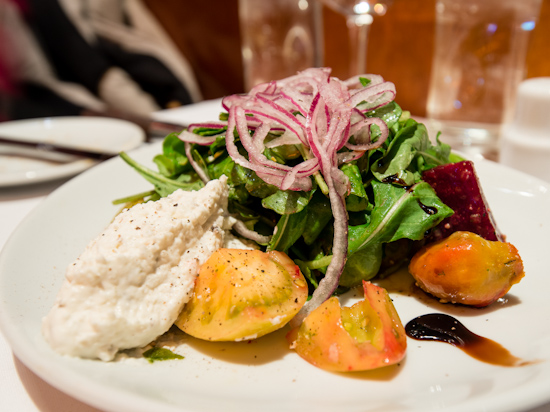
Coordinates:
(394, 179)
(430, 210)
(445, 328)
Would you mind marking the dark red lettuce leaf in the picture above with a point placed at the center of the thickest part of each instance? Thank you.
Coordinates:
(457, 185)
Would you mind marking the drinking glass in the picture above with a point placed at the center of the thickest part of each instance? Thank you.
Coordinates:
(478, 63)
(359, 16)
(279, 38)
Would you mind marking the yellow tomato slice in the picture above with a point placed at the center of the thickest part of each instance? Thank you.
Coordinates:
(242, 295)
(465, 268)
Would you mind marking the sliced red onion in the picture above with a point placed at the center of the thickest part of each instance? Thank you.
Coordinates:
(373, 97)
(199, 170)
(284, 139)
(189, 137)
(295, 100)
(284, 114)
(360, 144)
(245, 232)
(329, 283)
(207, 125)
(269, 175)
(321, 113)
(276, 121)
(308, 168)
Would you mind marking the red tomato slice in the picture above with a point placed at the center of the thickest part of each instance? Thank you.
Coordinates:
(367, 335)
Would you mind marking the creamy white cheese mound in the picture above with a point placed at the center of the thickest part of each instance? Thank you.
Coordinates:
(131, 282)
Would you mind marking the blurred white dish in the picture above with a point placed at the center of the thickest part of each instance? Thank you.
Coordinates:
(18, 167)
(264, 374)
(525, 142)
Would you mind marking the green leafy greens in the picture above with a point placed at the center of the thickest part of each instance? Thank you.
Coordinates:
(160, 354)
(387, 202)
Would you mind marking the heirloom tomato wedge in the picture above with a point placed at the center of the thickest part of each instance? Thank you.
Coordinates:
(367, 335)
(242, 295)
(468, 269)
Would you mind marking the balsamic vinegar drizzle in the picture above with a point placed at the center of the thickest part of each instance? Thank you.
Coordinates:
(445, 328)
(430, 210)
(393, 179)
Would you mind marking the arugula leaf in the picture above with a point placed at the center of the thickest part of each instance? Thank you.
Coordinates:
(306, 271)
(173, 160)
(390, 113)
(434, 155)
(410, 142)
(256, 186)
(357, 200)
(289, 229)
(218, 145)
(142, 197)
(399, 213)
(400, 154)
(163, 185)
(319, 214)
(222, 167)
(160, 354)
(386, 202)
(285, 202)
(199, 159)
(362, 265)
(364, 81)
(208, 131)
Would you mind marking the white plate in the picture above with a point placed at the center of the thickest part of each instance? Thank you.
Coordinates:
(264, 374)
(88, 133)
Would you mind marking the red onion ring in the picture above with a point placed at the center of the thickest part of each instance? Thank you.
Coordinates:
(329, 283)
(245, 232)
(209, 125)
(189, 137)
(200, 172)
(321, 113)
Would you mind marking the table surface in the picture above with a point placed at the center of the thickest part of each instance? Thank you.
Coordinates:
(20, 389)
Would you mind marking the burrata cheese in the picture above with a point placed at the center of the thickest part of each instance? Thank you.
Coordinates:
(131, 282)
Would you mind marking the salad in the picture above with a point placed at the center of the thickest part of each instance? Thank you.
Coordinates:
(330, 174)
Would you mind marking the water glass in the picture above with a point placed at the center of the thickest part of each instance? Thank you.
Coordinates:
(478, 63)
(279, 38)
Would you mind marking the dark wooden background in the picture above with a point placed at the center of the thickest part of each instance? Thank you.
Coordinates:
(400, 45)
